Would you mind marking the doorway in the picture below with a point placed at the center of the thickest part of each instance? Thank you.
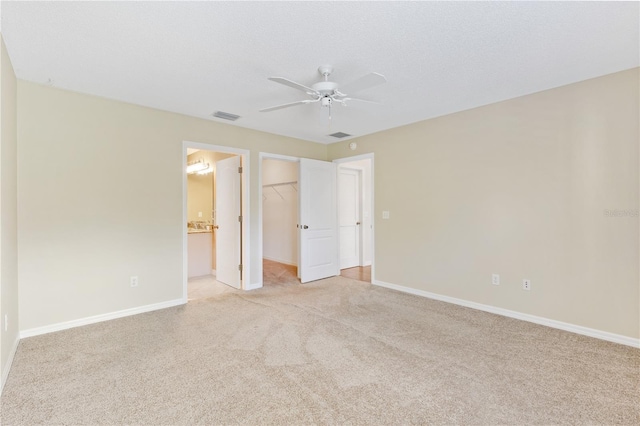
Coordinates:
(355, 216)
(317, 227)
(279, 221)
(215, 239)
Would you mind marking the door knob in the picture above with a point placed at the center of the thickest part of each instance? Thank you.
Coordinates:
(216, 227)
(305, 227)
(357, 223)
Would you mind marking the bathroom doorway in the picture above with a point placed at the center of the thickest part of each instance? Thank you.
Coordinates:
(214, 195)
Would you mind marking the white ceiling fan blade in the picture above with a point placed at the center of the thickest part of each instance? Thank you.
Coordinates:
(273, 108)
(362, 100)
(365, 82)
(293, 84)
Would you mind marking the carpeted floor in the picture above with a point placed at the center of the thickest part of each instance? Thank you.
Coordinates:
(336, 351)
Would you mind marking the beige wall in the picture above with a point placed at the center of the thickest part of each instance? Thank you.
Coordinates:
(8, 212)
(200, 197)
(518, 188)
(92, 213)
(200, 188)
(279, 171)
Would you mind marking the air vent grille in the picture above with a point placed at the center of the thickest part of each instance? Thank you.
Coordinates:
(226, 115)
(340, 135)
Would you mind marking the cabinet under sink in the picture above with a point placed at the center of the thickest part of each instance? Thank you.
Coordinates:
(199, 252)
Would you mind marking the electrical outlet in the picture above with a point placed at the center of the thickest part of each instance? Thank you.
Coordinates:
(526, 284)
(495, 279)
(385, 214)
(134, 281)
(6, 322)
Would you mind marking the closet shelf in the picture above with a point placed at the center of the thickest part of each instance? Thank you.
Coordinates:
(271, 185)
(274, 185)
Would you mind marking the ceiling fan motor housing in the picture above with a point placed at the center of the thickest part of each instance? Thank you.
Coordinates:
(325, 88)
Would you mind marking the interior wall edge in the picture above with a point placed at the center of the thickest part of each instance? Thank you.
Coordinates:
(7, 367)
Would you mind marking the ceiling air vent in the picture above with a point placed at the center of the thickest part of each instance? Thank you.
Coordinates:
(226, 115)
(340, 135)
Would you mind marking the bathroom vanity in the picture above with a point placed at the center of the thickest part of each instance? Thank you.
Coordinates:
(199, 246)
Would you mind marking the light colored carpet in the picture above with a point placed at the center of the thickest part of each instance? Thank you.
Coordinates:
(336, 351)
(205, 287)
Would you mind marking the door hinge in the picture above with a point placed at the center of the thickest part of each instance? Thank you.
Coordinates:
(240, 219)
(240, 169)
(240, 267)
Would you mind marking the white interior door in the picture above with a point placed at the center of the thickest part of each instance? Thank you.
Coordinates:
(229, 227)
(318, 220)
(349, 217)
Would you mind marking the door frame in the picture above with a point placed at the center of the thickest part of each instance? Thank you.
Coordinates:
(368, 156)
(262, 156)
(360, 174)
(244, 185)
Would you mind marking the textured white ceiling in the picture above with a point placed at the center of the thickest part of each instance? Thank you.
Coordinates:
(199, 57)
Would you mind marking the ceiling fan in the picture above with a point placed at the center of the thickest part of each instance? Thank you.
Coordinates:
(327, 92)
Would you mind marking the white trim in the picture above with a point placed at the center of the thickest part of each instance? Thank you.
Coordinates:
(354, 168)
(7, 366)
(99, 318)
(245, 154)
(285, 262)
(585, 331)
(262, 156)
(213, 272)
(354, 158)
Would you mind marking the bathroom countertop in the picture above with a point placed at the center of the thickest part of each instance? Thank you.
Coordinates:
(199, 231)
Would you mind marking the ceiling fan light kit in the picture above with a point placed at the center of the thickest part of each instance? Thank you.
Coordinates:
(328, 92)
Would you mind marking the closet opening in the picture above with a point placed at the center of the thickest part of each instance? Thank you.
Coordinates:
(280, 255)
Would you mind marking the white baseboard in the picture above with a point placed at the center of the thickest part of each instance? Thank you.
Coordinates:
(286, 262)
(585, 331)
(7, 367)
(99, 318)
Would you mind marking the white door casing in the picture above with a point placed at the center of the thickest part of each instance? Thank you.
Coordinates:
(318, 220)
(349, 219)
(228, 227)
